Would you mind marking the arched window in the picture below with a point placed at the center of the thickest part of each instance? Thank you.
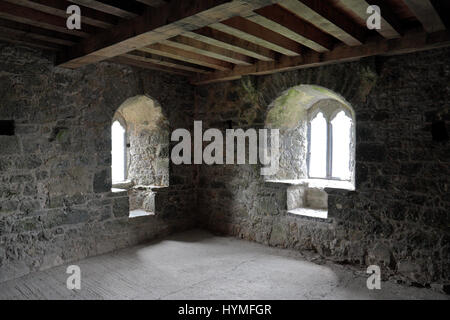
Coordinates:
(330, 143)
(140, 153)
(119, 152)
(317, 147)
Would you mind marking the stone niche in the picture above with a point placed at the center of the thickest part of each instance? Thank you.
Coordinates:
(146, 153)
(290, 113)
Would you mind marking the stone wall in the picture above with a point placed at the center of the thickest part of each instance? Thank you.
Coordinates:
(399, 215)
(56, 203)
(55, 200)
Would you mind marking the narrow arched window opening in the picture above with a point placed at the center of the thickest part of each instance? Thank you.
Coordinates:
(318, 147)
(341, 144)
(119, 154)
(330, 143)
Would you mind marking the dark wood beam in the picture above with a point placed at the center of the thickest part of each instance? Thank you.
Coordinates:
(59, 8)
(388, 15)
(24, 38)
(253, 32)
(443, 8)
(123, 9)
(141, 56)
(147, 65)
(328, 19)
(41, 19)
(209, 50)
(389, 29)
(187, 56)
(40, 33)
(296, 28)
(153, 3)
(426, 14)
(411, 42)
(230, 42)
(155, 25)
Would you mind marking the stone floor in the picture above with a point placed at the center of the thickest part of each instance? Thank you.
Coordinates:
(198, 265)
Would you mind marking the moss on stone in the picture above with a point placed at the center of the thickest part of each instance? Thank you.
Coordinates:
(287, 110)
(62, 135)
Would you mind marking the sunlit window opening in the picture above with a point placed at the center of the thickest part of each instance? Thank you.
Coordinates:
(341, 128)
(318, 147)
(330, 145)
(118, 152)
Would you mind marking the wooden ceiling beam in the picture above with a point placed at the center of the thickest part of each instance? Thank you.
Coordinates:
(123, 9)
(153, 3)
(426, 14)
(328, 19)
(187, 56)
(389, 29)
(442, 8)
(153, 26)
(388, 15)
(147, 65)
(209, 50)
(164, 62)
(41, 19)
(59, 8)
(40, 33)
(411, 42)
(21, 37)
(292, 26)
(230, 42)
(253, 32)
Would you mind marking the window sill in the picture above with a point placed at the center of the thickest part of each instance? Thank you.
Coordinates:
(316, 183)
(118, 192)
(127, 184)
(310, 213)
(140, 213)
(149, 187)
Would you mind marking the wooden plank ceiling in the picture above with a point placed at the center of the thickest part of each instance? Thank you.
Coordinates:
(217, 40)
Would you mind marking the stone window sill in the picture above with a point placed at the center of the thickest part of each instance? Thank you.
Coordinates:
(316, 183)
(119, 192)
(122, 185)
(314, 214)
(149, 187)
(140, 213)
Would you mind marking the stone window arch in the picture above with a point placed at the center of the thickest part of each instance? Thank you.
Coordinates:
(146, 153)
(294, 113)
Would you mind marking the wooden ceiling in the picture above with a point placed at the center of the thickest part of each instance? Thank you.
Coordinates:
(217, 40)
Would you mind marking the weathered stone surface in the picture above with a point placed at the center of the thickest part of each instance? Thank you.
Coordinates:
(102, 181)
(55, 199)
(121, 207)
(295, 197)
(398, 212)
(9, 145)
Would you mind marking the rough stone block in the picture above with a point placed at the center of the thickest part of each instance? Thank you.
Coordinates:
(370, 152)
(121, 207)
(295, 197)
(102, 181)
(9, 145)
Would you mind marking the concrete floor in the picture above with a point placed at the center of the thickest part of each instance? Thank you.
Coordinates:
(198, 265)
